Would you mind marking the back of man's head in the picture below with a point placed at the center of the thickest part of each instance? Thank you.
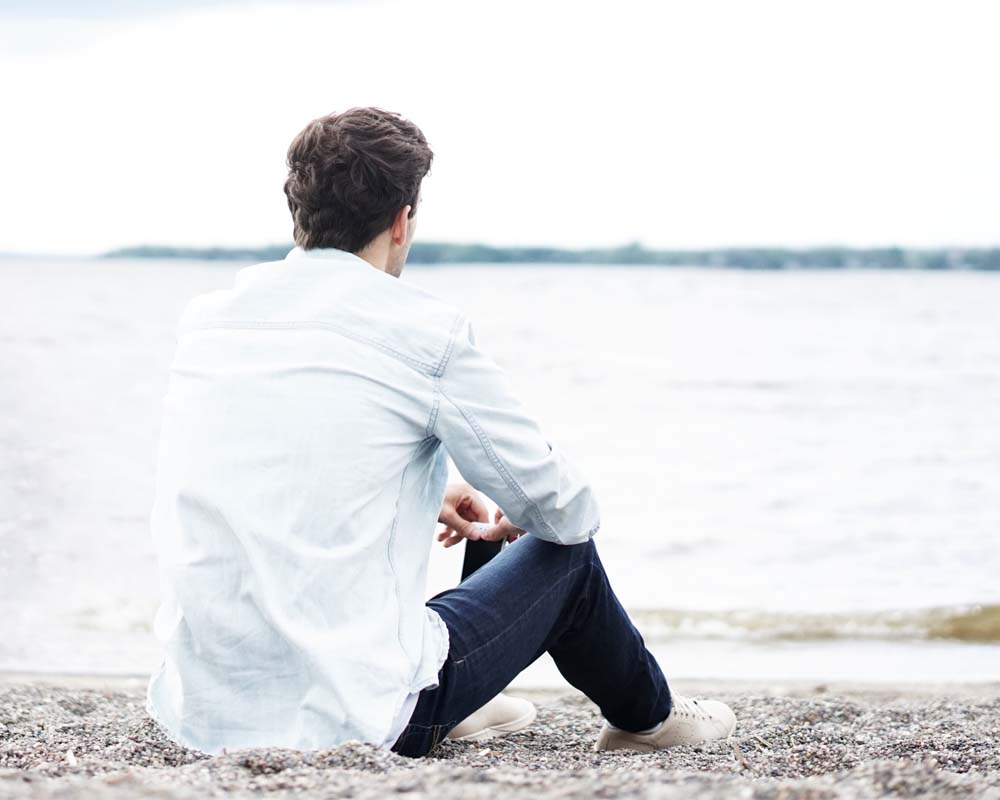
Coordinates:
(349, 174)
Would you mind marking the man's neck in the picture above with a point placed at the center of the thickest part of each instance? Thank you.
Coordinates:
(377, 254)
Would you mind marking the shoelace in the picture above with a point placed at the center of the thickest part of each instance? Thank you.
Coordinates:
(687, 707)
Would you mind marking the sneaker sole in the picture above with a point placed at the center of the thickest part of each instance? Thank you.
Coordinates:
(643, 745)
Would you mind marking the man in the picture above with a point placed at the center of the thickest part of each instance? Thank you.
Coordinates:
(302, 466)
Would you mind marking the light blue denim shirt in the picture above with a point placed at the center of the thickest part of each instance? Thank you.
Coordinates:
(300, 474)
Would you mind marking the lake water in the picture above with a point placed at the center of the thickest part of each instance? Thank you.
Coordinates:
(799, 472)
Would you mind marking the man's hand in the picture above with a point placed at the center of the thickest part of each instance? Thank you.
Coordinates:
(464, 516)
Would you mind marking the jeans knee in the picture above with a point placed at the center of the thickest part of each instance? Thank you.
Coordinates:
(583, 554)
(567, 551)
(563, 558)
(586, 550)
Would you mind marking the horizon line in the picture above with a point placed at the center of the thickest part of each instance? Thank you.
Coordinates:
(633, 245)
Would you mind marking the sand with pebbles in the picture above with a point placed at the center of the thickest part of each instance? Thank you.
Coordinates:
(80, 739)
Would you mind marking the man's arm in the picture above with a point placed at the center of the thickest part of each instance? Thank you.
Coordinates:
(500, 449)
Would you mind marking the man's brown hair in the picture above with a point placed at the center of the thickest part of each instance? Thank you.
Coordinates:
(349, 174)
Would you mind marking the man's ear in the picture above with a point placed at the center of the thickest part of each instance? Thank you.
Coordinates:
(399, 226)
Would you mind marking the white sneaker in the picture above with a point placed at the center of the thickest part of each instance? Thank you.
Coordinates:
(500, 716)
(690, 721)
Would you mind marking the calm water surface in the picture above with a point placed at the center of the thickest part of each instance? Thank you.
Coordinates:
(799, 471)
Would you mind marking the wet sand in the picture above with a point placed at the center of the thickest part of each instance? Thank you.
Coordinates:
(88, 737)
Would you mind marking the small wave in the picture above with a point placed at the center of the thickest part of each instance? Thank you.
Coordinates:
(974, 623)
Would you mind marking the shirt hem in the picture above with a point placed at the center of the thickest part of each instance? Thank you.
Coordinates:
(417, 685)
(168, 731)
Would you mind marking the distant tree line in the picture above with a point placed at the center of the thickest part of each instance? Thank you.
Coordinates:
(633, 253)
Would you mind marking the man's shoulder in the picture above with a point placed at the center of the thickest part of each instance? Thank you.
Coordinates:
(393, 315)
(409, 319)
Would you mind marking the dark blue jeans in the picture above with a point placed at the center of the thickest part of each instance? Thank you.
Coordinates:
(535, 597)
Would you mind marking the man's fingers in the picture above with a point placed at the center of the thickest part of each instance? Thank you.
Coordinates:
(445, 531)
(472, 531)
(449, 536)
(479, 531)
(451, 517)
(496, 533)
(475, 509)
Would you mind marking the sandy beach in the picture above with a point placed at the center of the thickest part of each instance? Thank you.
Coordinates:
(83, 737)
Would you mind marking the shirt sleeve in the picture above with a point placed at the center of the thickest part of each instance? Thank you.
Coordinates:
(501, 451)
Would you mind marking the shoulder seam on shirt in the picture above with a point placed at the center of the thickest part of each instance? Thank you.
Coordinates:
(500, 467)
(446, 356)
(442, 365)
(416, 363)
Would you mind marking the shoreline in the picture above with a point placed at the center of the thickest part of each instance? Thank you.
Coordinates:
(780, 687)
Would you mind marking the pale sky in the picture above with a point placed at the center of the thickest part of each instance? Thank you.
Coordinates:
(571, 124)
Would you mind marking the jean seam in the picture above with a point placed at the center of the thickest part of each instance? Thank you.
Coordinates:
(552, 588)
(436, 732)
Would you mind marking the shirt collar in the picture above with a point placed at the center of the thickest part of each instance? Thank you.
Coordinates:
(329, 253)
